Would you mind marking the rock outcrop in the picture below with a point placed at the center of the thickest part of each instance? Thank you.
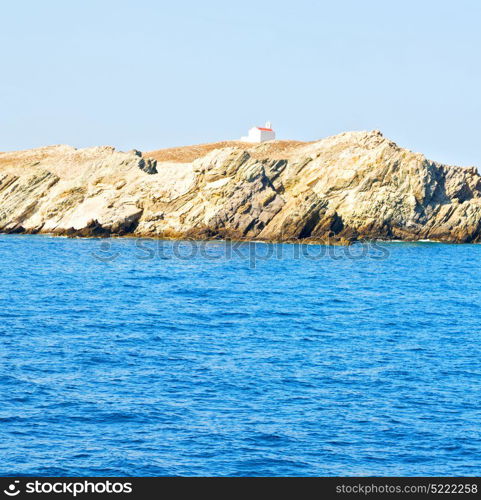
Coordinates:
(353, 186)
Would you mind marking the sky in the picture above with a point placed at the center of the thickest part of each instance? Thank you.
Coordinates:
(151, 74)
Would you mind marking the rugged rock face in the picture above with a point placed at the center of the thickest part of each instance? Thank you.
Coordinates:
(356, 185)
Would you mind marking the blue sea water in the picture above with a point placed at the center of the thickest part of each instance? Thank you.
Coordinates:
(125, 357)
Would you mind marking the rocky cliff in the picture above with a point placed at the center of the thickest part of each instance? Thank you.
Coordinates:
(353, 186)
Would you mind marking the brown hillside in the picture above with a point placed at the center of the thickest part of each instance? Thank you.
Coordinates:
(186, 154)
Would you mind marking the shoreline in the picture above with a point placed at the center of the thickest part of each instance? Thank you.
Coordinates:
(220, 240)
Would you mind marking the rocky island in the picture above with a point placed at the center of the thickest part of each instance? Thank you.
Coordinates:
(352, 186)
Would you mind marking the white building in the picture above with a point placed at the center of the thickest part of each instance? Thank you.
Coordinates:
(260, 134)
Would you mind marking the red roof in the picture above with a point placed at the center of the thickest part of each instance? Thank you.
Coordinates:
(262, 128)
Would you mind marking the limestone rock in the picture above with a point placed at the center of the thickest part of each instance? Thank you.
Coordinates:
(353, 186)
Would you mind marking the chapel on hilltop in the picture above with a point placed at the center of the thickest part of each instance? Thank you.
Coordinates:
(260, 134)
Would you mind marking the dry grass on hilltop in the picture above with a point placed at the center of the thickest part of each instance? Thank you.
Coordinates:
(186, 154)
(69, 156)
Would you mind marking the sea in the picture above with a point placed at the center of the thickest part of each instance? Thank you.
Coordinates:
(138, 357)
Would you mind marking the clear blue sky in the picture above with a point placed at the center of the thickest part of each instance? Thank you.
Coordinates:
(150, 74)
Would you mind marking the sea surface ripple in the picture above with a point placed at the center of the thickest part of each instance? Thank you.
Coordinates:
(120, 358)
